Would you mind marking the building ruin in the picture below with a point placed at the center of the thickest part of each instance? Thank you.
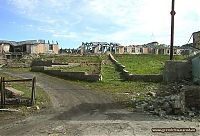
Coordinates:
(13, 49)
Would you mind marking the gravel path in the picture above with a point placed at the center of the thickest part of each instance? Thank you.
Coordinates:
(77, 111)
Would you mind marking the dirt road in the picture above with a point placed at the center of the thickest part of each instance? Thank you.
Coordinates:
(77, 111)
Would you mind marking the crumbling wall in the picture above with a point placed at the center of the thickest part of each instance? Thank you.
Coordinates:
(196, 39)
(68, 75)
(135, 77)
(192, 97)
(42, 63)
(48, 63)
(196, 69)
(177, 71)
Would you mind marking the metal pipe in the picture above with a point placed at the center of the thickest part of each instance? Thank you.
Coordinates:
(172, 30)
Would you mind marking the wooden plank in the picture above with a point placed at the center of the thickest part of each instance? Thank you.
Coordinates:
(14, 91)
(9, 110)
(1, 89)
(20, 80)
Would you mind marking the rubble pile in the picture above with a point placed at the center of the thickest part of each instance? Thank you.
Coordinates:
(181, 99)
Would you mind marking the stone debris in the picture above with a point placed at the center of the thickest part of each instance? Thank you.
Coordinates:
(171, 101)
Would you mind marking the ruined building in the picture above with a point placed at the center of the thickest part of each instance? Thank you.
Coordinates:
(196, 39)
(13, 49)
(99, 47)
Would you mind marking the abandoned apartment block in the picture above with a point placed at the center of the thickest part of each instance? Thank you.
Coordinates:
(13, 49)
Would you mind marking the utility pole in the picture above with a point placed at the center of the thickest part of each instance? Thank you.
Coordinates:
(172, 30)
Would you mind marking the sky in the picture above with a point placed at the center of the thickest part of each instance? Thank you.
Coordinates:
(71, 22)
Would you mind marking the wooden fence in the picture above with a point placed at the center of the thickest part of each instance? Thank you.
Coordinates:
(3, 92)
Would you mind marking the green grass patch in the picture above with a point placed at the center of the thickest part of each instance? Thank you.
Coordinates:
(123, 91)
(72, 58)
(88, 63)
(42, 98)
(144, 64)
(90, 69)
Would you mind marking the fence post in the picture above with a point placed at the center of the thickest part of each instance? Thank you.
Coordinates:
(4, 92)
(33, 91)
(1, 92)
(2, 89)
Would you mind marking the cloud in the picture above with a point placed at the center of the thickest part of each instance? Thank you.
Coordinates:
(111, 20)
(71, 35)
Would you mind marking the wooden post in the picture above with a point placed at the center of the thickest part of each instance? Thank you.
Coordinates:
(33, 91)
(1, 88)
(4, 93)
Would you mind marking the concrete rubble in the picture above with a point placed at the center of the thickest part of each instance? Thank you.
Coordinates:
(176, 100)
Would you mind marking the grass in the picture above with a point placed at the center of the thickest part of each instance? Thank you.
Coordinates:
(90, 68)
(123, 91)
(88, 63)
(72, 58)
(42, 98)
(144, 64)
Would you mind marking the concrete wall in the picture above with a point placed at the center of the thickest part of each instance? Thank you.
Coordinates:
(55, 49)
(196, 39)
(192, 96)
(48, 63)
(41, 48)
(135, 77)
(28, 48)
(121, 49)
(145, 51)
(4, 48)
(177, 71)
(68, 75)
(196, 69)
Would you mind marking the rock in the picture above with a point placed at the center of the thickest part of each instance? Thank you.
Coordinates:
(191, 113)
(141, 107)
(178, 104)
(167, 107)
(162, 113)
(149, 108)
(152, 94)
(36, 107)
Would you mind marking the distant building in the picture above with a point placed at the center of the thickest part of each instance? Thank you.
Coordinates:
(13, 49)
(116, 48)
(100, 47)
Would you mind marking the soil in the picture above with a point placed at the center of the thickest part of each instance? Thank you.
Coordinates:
(77, 111)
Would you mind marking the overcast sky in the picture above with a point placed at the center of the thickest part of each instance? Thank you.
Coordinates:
(72, 21)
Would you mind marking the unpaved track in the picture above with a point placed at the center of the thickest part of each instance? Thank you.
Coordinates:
(77, 111)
